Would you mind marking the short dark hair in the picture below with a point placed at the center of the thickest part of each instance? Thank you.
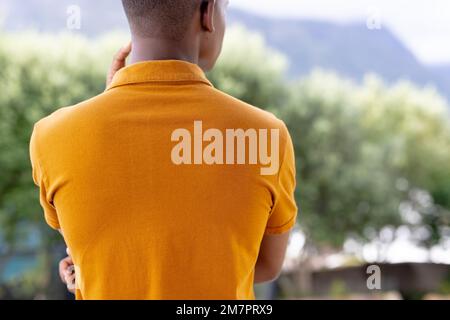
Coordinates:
(160, 18)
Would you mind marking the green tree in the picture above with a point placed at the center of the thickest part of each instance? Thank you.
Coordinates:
(251, 71)
(355, 146)
(417, 125)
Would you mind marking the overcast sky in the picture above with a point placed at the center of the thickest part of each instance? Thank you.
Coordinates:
(423, 25)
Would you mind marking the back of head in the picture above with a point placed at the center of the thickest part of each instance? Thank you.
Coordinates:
(165, 19)
(191, 30)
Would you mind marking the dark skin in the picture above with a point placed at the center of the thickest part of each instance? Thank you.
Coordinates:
(201, 45)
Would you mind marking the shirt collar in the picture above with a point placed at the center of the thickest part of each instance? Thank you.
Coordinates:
(159, 71)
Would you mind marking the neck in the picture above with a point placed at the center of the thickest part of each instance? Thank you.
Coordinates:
(163, 49)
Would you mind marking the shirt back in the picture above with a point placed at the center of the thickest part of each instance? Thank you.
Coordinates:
(146, 214)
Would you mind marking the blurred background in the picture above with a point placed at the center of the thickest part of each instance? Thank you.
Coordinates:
(364, 87)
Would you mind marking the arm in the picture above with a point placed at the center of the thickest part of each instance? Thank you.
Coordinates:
(271, 257)
(282, 219)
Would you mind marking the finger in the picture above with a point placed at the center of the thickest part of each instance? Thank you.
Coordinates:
(71, 290)
(70, 277)
(69, 280)
(62, 269)
(71, 284)
(120, 58)
(124, 52)
(64, 265)
(70, 270)
(119, 62)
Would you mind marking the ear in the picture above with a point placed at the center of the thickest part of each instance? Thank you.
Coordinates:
(207, 15)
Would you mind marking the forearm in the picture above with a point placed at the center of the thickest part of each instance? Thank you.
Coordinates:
(265, 273)
(271, 257)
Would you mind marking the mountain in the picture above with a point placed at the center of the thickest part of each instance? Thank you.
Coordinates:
(349, 49)
(442, 75)
(97, 17)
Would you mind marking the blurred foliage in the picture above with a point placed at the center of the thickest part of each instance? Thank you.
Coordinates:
(245, 66)
(445, 286)
(338, 290)
(362, 150)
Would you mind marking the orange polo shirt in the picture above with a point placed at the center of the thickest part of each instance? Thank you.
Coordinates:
(141, 225)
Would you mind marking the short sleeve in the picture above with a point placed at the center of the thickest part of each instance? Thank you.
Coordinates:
(284, 212)
(50, 213)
